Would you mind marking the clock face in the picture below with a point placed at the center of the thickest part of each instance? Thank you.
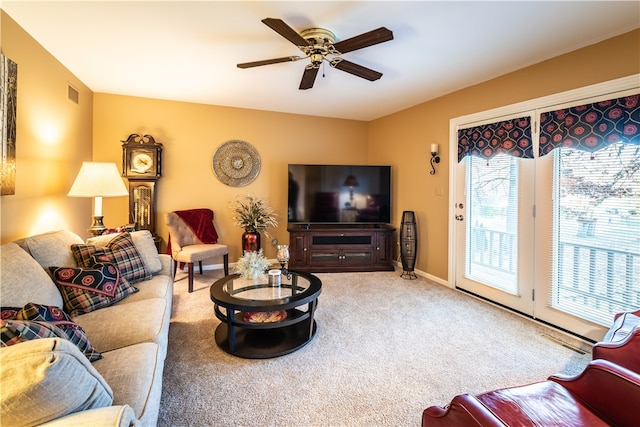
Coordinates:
(141, 162)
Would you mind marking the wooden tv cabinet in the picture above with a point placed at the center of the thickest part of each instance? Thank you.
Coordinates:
(351, 247)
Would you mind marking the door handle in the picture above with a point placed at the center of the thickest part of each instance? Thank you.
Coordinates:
(459, 217)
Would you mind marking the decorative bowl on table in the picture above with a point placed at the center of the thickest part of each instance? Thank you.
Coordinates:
(264, 316)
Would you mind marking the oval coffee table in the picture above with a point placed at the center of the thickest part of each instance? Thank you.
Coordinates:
(260, 321)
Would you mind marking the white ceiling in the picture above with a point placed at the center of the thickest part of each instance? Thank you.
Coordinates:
(188, 51)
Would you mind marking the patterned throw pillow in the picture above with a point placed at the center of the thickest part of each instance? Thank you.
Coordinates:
(57, 317)
(120, 251)
(13, 331)
(9, 313)
(20, 330)
(87, 289)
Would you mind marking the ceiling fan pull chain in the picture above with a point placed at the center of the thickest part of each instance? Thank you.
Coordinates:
(323, 69)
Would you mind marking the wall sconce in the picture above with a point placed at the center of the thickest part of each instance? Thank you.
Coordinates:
(98, 180)
(434, 158)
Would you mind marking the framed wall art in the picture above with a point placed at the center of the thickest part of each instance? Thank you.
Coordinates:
(8, 99)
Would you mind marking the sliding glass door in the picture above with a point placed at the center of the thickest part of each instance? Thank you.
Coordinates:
(591, 241)
(554, 235)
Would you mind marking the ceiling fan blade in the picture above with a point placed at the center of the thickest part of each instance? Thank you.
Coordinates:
(308, 78)
(369, 38)
(268, 61)
(280, 27)
(355, 69)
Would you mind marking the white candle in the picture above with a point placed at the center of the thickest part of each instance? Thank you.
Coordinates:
(434, 148)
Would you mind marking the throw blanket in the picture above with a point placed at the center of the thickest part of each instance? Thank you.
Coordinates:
(200, 221)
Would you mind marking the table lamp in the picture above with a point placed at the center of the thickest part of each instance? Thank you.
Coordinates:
(98, 180)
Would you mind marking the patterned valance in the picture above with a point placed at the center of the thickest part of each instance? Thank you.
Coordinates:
(591, 127)
(509, 136)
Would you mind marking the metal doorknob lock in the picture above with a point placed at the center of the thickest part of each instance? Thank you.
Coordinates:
(459, 217)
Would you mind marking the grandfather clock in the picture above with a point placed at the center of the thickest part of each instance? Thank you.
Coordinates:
(142, 166)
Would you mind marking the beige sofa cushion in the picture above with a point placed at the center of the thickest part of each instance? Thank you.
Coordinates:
(52, 249)
(45, 379)
(159, 286)
(123, 325)
(143, 241)
(23, 280)
(135, 373)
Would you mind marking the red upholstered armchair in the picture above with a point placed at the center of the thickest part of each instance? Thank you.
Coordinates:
(604, 394)
(193, 238)
(621, 345)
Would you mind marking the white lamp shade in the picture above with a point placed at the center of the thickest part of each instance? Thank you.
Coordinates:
(97, 179)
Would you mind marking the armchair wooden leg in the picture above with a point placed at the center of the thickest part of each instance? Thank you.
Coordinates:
(200, 265)
(190, 269)
(226, 264)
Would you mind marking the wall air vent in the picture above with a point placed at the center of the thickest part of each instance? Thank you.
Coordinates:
(73, 94)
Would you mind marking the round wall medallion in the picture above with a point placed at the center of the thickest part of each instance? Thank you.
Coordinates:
(236, 163)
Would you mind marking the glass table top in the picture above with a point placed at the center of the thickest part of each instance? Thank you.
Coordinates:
(260, 289)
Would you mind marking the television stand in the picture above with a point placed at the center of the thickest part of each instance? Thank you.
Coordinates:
(323, 248)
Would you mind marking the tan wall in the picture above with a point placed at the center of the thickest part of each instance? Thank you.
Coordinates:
(53, 137)
(191, 133)
(411, 132)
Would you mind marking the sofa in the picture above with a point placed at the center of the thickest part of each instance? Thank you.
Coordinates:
(603, 394)
(84, 329)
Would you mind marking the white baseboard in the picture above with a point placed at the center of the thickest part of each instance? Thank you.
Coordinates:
(438, 280)
(397, 266)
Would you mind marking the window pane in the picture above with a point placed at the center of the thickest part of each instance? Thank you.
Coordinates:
(597, 232)
(492, 223)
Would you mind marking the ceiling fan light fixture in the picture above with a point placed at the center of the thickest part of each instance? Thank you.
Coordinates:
(317, 58)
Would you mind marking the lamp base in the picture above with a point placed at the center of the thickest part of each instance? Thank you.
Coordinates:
(97, 227)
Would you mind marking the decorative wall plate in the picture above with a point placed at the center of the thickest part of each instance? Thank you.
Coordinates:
(236, 163)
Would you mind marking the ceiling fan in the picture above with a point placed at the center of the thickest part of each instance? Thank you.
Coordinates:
(319, 45)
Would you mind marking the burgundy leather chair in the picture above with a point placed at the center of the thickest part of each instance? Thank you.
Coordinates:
(621, 345)
(604, 394)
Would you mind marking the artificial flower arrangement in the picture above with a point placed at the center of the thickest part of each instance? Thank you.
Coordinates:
(253, 214)
(252, 265)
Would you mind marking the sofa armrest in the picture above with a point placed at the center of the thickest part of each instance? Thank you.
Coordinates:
(464, 410)
(110, 416)
(167, 265)
(607, 389)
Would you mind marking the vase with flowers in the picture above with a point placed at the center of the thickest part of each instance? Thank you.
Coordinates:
(255, 217)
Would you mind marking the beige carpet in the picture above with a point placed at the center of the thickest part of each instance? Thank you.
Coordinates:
(386, 348)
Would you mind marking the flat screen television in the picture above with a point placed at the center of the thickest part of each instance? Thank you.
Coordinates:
(339, 194)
